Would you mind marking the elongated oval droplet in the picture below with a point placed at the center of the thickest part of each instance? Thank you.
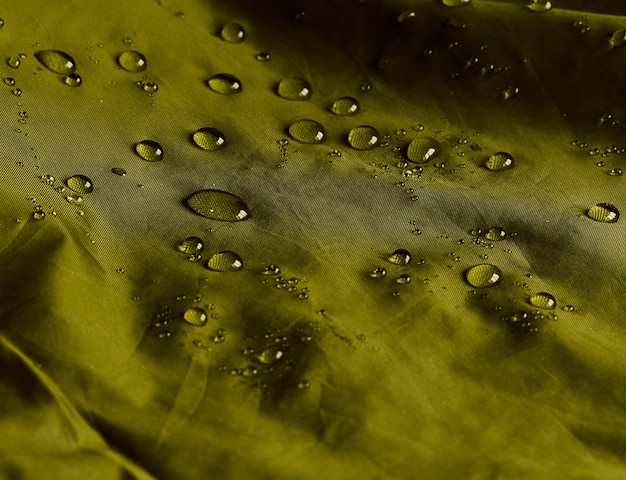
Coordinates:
(225, 83)
(233, 33)
(499, 161)
(57, 61)
(539, 6)
(191, 246)
(195, 316)
(209, 138)
(345, 106)
(218, 205)
(483, 275)
(543, 300)
(618, 38)
(495, 234)
(422, 150)
(604, 213)
(73, 80)
(80, 184)
(400, 257)
(456, 3)
(119, 171)
(149, 150)
(294, 89)
(363, 137)
(307, 131)
(132, 61)
(225, 261)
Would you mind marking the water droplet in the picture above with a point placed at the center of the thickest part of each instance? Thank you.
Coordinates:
(74, 199)
(195, 316)
(270, 355)
(9, 81)
(615, 172)
(209, 138)
(618, 39)
(568, 308)
(495, 234)
(73, 80)
(543, 300)
(127, 40)
(218, 205)
(363, 137)
(39, 215)
(47, 179)
(233, 33)
(1, 23)
(378, 272)
(400, 257)
(304, 385)
(119, 171)
(294, 89)
(509, 93)
(421, 150)
(456, 3)
(132, 61)
(225, 83)
(345, 106)
(403, 279)
(406, 16)
(16, 91)
(499, 161)
(604, 213)
(14, 62)
(250, 371)
(263, 56)
(150, 87)
(225, 261)
(539, 6)
(58, 62)
(307, 131)
(80, 184)
(271, 270)
(483, 275)
(191, 246)
(149, 150)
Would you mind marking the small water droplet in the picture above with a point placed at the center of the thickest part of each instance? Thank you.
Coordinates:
(9, 81)
(39, 215)
(233, 33)
(307, 131)
(615, 172)
(47, 179)
(1, 23)
(270, 355)
(57, 61)
(539, 6)
(345, 106)
(495, 234)
(543, 300)
(509, 93)
(150, 87)
(403, 279)
(294, 89)
(75, 199)
(209, 138)
(604, 213)
(80, 184)
(14, 62)
(378, 272)
(618, 38)
(483, 275)
(225, 83)
(263, 56)
(225, 261)
(218, 205)
(119, 171)
(191, 246)
(73, 80)
(456, 3)
(195, 316)
(16, 91)
(127, 40)
(421, 150)
(304, 385)
(164, 335)
(363, 137)
(400, 257)
(132, 61)
(271, 270)
(406, 16)
(499, 161)
(149, 150)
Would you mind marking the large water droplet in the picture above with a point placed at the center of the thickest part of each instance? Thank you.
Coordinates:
(225, 261)
(400, 257)
(218, 205)
(58, 62)
(149, 150)
(618, 39)
(225, 83)
(132, 61)
(270, 355)
(345, 106)
(495, 234)
(80, 184)
(73, 80)
(233, 33)
(421, 150)
(543, 300)
(195, 316)
(191, 245)
(307, 131)
(210, 139)
(604, 212)
(363, 137)
(539, 6)
(14, 62)
(294, 89)
(456, 3)
(483, 275)
(499, 161)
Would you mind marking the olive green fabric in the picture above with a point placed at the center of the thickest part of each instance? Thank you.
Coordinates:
(103, 379)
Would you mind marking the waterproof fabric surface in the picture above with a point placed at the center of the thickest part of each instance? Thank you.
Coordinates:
(320, 371)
